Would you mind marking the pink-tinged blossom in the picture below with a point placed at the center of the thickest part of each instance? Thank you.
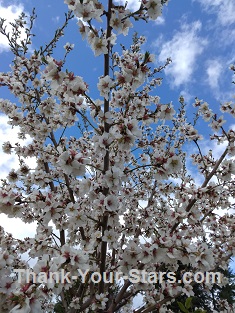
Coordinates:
(89, 10)
(111, 203)
(174, 164)
(6, 147)
(119, 25)
(113, 177)
(52, 70)
(167, 112)
(105, 84)
(5, 259)
(227, 170)
(68, 46)
(71, 4)
(83, 29)
(216, 124)
(111, 237)
(73, 256)
(73, 163)
(99, 45)
(154, 8)
(100, 301)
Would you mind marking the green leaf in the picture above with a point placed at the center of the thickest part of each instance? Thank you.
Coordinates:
(58, 308)
(44, 60)
(146, 57)
(188, 303)
(182, 307)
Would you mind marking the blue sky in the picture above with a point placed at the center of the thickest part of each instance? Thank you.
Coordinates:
(198, 35)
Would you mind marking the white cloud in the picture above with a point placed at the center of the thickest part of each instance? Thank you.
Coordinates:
(187, 95)
(160, 20)
(14, 226)
(183, 48)
(56, 19)
(17, 228)
(10, 13)
(8, 162)
(132, 5)
(214, 70)
(224, 9)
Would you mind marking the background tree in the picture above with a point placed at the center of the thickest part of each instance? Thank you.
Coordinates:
(209, 300)
(117, 195)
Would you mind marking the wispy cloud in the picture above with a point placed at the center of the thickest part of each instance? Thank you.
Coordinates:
(160, 20)
(9, 13)
(214, 70)
(56, 19)
(188, 97)
(184, 48)
(218, 77)
(224, 9)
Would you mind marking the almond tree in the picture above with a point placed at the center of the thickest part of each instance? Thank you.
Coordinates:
(117, 195)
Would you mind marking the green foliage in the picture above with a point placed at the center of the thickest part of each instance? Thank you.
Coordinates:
(187, 307)
(59, 308)
(208, 301)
